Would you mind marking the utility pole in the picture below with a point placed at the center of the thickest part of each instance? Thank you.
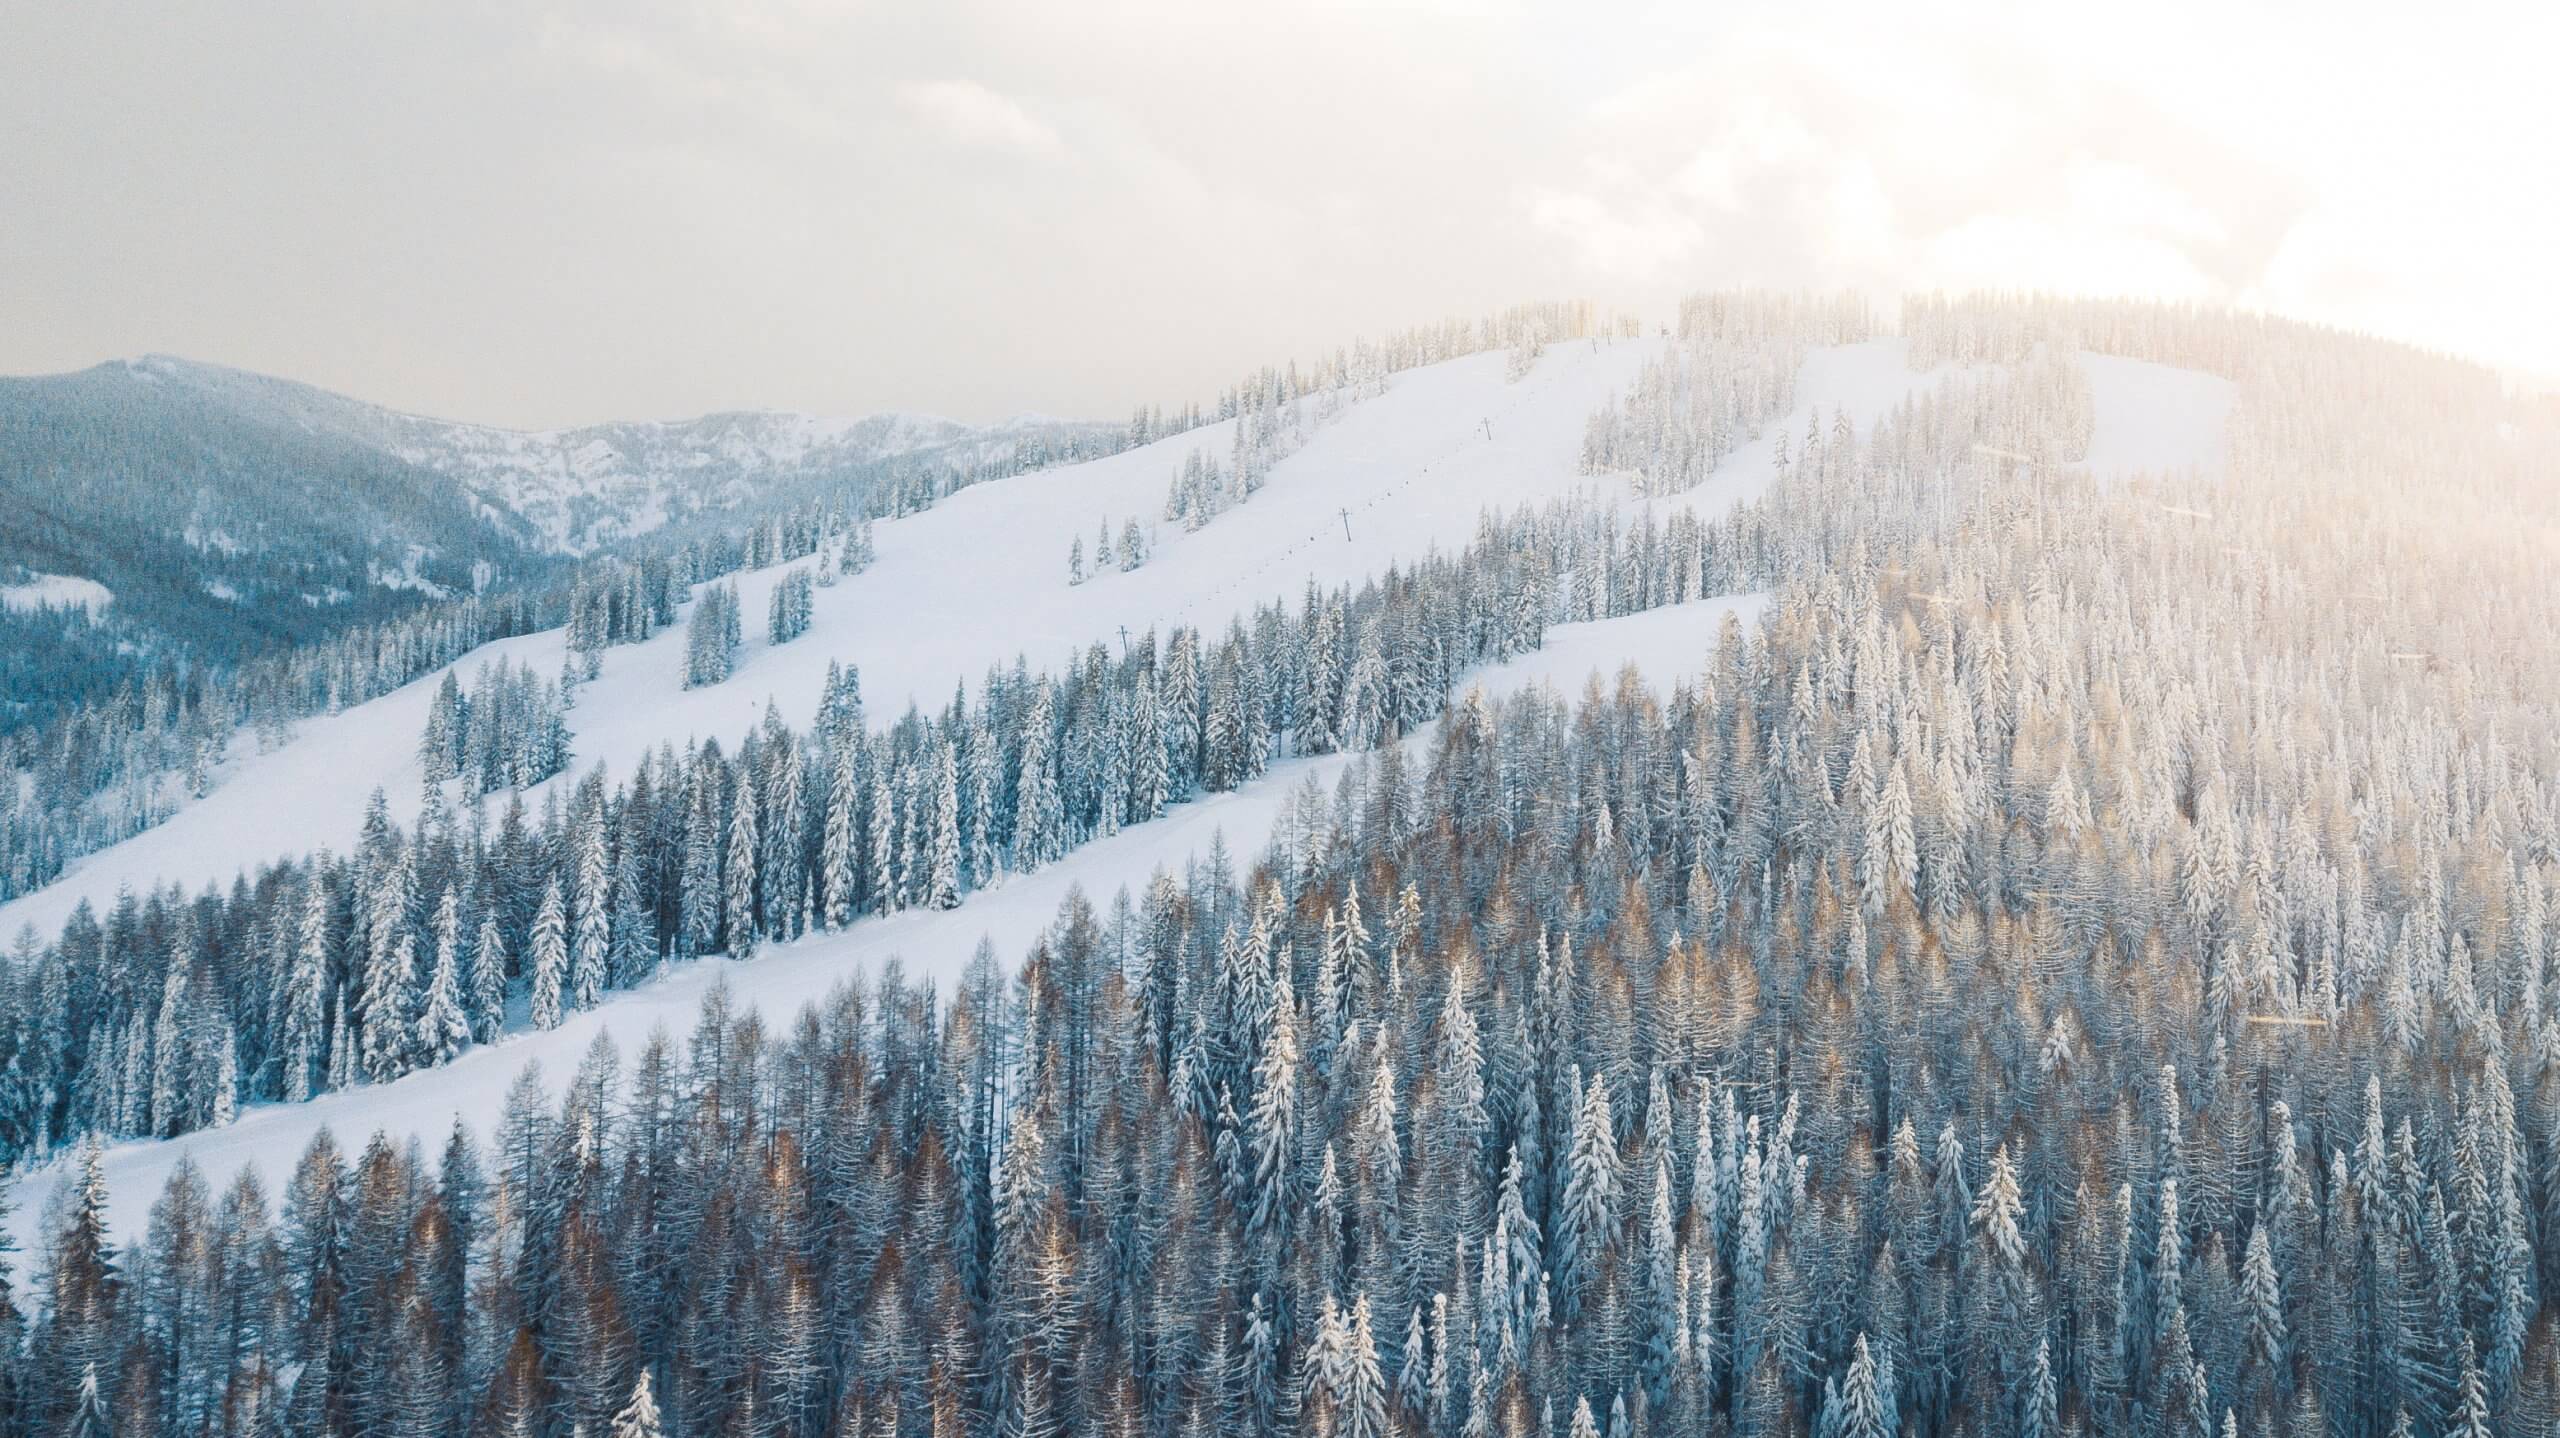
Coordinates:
(1124, 641)
(1488, 427)
(1346, 522)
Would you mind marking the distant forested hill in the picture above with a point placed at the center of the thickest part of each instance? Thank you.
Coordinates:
(227, 513)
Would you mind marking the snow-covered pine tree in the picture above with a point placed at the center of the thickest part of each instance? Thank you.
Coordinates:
(942, 884)
(547, 958)
(485, 995)
(444, 1029)
(739, 876)
(591, 933)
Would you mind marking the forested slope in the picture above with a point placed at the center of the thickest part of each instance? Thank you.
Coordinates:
(2079, 961)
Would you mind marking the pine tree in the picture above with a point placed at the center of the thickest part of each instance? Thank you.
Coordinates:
(632, 951)
(1149, 782)
(592, 937)
(547, 958)
(740, 877)
(639, 1417)
(942, 868)
(837, 859)
(438, 746)
(2041, 1417)
(880, 864)
(388, 1001)
(1586, 1225)
(1274, 1123)
(87, 1291)
(2471, 1403)
(485, 998)
(88, 1410)
(1039, 822)
(711, 638)
(1862, 1412)
(443, 1029)
(698, 885)
(2009, 1304)
(305, 1037)
(1363, 1391)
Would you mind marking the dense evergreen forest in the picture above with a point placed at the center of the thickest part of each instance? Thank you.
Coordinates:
(2080, 965)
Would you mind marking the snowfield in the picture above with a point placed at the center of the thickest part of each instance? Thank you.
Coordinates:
(57, 591)
(2155, 419)
(968, 584)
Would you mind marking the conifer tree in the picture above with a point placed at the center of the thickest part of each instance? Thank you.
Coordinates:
(740, 877)
(547, 958)
(486, 993)
(305, 1036)
(1586, 1222)
(837, 861)
(443, 1029)
(942, 867)
(639, 1417)
(591, 937)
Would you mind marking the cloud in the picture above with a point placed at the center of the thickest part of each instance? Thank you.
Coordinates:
(1135, 200)
(1894, 159)
(968, 114)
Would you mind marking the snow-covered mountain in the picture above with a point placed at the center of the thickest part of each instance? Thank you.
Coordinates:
(970, 584)
(583, 488)
(570, 491)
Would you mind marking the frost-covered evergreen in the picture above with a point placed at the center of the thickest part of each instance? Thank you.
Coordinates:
(711, 636)
(793, 600)
(508, 732)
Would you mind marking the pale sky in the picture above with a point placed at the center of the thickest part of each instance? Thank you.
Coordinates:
(552, 213)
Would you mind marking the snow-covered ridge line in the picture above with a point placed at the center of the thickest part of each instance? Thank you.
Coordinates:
(581, 485)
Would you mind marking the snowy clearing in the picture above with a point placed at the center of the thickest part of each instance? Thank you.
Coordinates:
(56, 591)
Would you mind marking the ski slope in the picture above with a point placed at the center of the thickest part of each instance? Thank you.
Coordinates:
(981, 578)
(933, 945)
(969, 584)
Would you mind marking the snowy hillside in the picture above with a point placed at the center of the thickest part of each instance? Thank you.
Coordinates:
(980, 579)
(976, 581)
(932, 946)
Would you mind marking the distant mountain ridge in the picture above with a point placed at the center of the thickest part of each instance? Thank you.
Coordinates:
(230, 511)
(579, 489)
